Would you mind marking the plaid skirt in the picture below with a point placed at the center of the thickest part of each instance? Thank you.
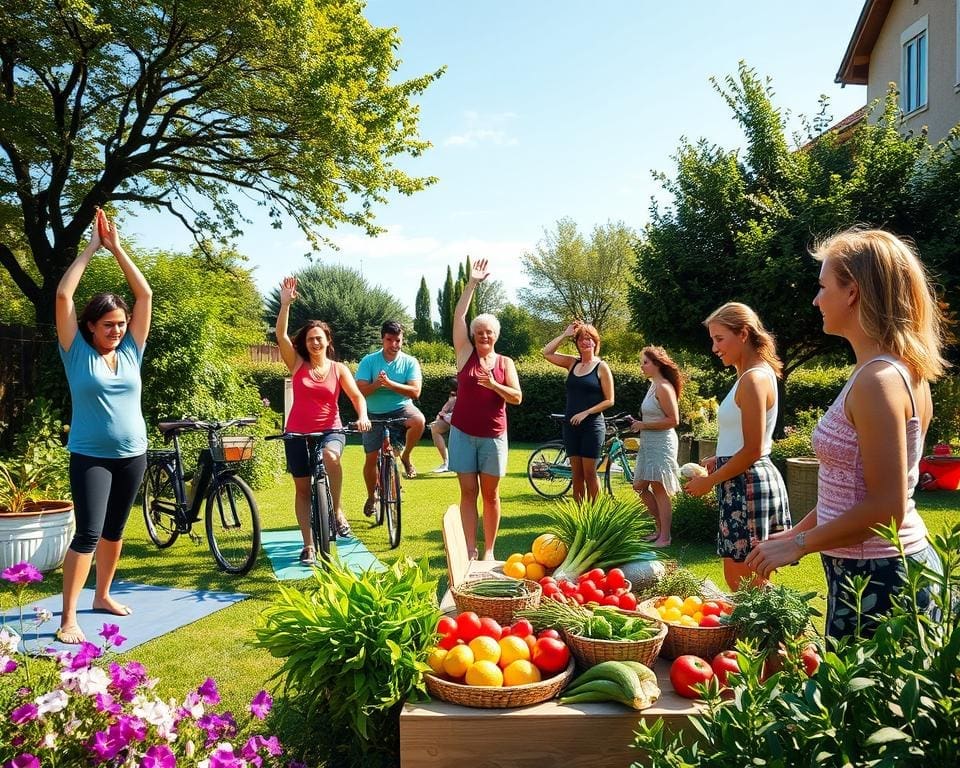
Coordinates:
(753, 505)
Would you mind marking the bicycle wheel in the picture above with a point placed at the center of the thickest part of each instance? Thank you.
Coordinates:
(160, 505)
(548, 470)
(321, 507)
(391, 505)
(233, 524)
(380, 511)
(618, 475)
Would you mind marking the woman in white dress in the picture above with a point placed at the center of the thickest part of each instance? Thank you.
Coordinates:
(656, 476)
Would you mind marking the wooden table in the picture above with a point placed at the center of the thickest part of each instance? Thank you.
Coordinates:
(442, 735)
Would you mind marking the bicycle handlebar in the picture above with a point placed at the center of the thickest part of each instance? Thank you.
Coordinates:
(349, 429)
(196, 425)
(390, 422)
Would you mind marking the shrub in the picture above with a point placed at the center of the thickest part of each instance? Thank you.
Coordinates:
(695, 518)
(796, 441)
(945, 425)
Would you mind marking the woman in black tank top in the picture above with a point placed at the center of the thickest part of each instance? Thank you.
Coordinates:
(589, 392)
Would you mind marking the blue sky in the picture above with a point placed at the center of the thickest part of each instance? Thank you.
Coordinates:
(553, 109)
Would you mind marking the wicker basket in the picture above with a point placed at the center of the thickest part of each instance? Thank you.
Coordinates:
(500, 609)
(233, 448)
(705, 642)
(491, 697)
(589, 651)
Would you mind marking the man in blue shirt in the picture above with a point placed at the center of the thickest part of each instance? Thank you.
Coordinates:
(389, 379)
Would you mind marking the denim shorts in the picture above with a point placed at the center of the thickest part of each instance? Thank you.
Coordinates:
(469, 454)
(373, 439)
(298, 462)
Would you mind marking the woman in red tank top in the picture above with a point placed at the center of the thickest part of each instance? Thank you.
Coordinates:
(317, 380)
(478, 432)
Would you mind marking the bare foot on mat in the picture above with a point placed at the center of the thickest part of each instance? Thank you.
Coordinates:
(70, 635)
(112, 606)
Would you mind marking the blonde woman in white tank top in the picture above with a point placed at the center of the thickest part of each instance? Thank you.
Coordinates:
(751, 494)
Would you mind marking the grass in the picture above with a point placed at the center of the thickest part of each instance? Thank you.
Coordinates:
(219, 645)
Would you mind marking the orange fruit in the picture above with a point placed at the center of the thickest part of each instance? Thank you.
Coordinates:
(457, 660)
(485, 649)
(513, 648)
(549, 550)
(536, 571)
(435, 660)
(484, 673)
(529, 558)
(516, 557)
(521, 672)
(515, 570)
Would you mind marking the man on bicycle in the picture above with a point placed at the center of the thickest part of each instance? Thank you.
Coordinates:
(389, 379)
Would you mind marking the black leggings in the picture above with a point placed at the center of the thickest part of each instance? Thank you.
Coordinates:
(103, 493)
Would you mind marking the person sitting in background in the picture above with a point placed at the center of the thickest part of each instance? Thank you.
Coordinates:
(441, 426)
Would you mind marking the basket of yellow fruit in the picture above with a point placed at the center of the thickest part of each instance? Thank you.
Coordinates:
(695, 625)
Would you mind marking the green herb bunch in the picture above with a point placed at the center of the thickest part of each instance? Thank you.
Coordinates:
(676, 580)
(771, 615)
(597, 622)
(354, 648)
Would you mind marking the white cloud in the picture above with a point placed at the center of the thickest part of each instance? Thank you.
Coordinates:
(481, 128)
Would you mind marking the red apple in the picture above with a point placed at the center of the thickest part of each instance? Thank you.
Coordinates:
(688, 671)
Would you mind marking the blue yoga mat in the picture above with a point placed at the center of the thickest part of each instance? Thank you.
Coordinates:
(283, 549)
(156, 611)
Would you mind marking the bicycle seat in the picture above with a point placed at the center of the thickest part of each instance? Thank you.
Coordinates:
(171, 426)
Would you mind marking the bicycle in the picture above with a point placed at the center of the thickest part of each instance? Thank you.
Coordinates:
(322, 513)
(231, 519)
(388, 489)
(550, 473)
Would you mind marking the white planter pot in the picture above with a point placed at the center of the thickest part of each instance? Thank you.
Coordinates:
(39, 536)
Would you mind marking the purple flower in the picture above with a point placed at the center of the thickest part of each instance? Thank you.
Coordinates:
(25, 760)
(261, 704)
(7, 665)
(111, 633)
(104, 703)
(125, 680)
(218, 726)
(254, 744)
(158, 756)
(22, 573)
(108, 744)
(84, 656)
(24, 714)
(208, 691)
(223, 757)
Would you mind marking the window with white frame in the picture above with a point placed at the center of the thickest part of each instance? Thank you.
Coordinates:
(913, 66)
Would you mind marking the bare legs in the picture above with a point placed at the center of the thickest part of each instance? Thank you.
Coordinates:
(734, 572)
(331, 462)
(657, 501)
(472, 486)
(585, 480)
(437, 432)
(76, 569)
(301, 506)
(415, 426)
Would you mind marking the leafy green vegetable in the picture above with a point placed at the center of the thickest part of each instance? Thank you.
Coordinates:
(675, 581)
(771, 615)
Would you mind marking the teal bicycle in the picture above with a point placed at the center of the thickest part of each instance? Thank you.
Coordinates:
(549, 471)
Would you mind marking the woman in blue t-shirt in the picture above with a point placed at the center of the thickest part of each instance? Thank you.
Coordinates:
(102, 351)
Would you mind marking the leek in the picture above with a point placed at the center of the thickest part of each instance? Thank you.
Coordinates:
(602, 533)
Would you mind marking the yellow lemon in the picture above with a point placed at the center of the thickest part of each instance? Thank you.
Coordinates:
(549, 550)
(435, 660)
(484, 673)
(529, 558)
(687, 621)
(457, 660)
(671, 614)
(485, 649)
(697, 616)
(516, 557)
(516, 569)
(673, 602)
(520, 672)
(535, 571)
(691, 605)
(513, 648)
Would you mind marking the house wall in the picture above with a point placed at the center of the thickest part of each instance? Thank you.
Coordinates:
(943, 95)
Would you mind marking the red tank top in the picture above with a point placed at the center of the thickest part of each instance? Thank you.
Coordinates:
(314, 406)
(480, 412)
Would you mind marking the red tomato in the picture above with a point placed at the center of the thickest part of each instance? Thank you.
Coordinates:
(447, 626)
(549, 633)
(468, 626)
(723, 664)
(448, 641)
(567, 587)
(725, 608)
(616, 579)
(628, 601)
(521, 628)
(578, 597)
(686, 672)
(591, 594)
(611, 600)
(595, 575)
(602, 584)
(710, 621)
(586, 584)
(711, 608)
(810, 659)
(547, 580)
(550, 655)
(490, 628)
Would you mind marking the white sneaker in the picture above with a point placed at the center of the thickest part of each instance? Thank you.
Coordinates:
(441, 468)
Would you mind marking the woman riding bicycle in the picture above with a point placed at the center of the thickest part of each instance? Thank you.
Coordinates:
(589, 393)
(317, 380)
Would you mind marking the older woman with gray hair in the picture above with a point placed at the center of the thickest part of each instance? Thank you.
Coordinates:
(487, 381)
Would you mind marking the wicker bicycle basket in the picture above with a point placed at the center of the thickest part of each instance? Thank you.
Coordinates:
(500, 609)
(705, 642)
(233, 448)
(589, 651)
(491, 697)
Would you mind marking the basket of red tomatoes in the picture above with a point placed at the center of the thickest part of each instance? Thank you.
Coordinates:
(594, 586)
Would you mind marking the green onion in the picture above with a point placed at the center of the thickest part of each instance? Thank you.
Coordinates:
(602, 533)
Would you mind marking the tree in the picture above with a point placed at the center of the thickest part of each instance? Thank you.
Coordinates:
(341, 297)
(445, 305)
(570, 277)
(740, 228)
(517, 331)
(490, 297)
(174, 106)
(422, 323)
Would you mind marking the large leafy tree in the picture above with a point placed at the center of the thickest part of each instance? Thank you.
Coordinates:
(341, 297)
(571, 276)
(740, 223)
(186, 107)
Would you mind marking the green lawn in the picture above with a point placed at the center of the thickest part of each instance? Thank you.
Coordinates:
(218, 645)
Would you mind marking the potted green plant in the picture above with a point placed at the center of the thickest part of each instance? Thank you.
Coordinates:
(35, 525)
(705, 428)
